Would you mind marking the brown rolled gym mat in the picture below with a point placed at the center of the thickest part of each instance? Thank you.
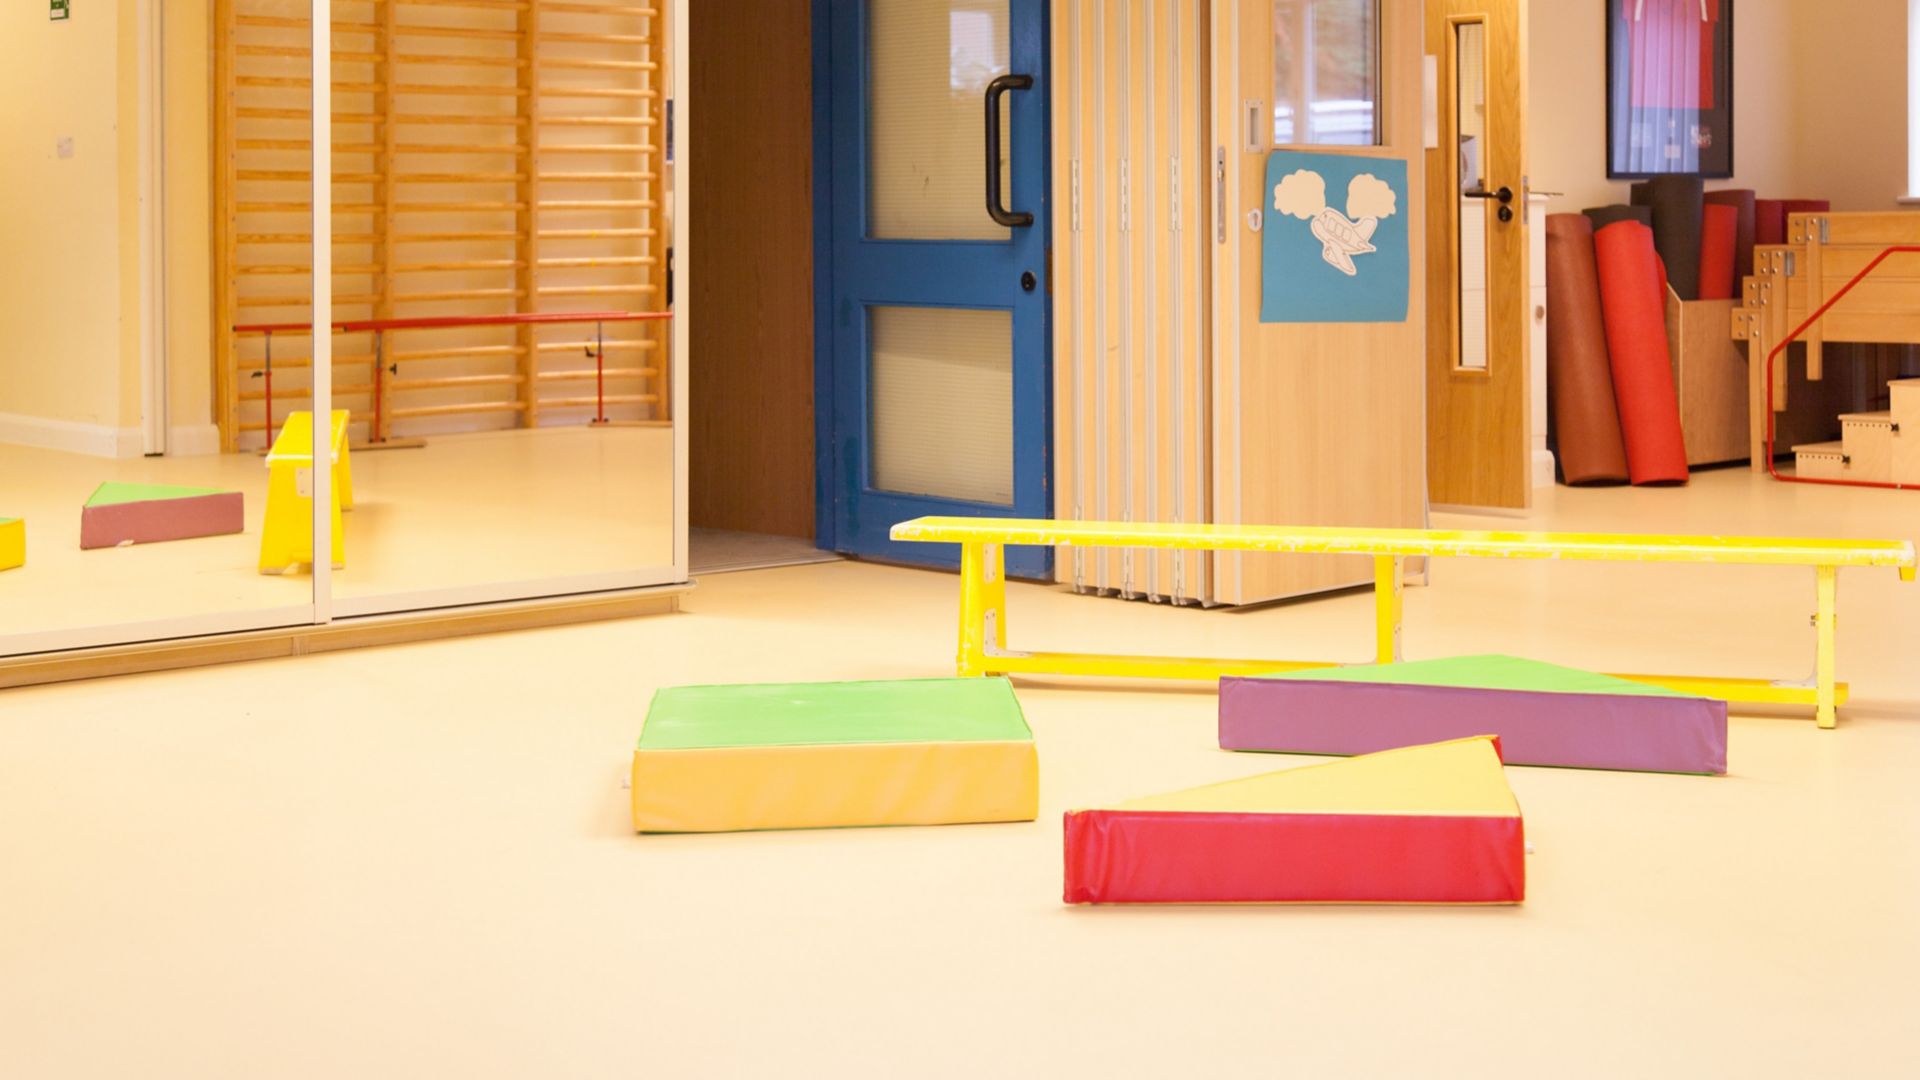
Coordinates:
(1742, 202)
(1584, 421)
(1679, 203)
(1603, 216)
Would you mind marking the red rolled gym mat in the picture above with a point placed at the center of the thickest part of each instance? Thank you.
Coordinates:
(1585, 424)
(1769, 221)
(1677, 200)
(1742, 202)
(1634, 310)
(1603, 216)
(1719, 231)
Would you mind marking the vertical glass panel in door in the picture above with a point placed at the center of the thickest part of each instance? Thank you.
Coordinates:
(929, 63)
(1326, 72)
(942, 401)
(1470, 118)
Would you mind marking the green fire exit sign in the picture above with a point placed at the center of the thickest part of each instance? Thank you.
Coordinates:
(58, 10)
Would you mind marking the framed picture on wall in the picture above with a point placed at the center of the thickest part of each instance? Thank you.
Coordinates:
(1669, 88)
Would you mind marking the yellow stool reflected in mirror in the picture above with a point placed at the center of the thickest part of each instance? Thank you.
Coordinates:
(13, 543)
(286, 543)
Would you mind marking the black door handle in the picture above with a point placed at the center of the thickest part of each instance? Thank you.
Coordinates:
(1504, 195)
(998, 212)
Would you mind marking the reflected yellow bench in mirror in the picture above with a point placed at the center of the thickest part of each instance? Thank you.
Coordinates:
(13, 543)
(286, 543)
(983, 588)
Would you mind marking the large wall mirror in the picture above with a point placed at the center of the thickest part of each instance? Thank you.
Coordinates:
(501, 422)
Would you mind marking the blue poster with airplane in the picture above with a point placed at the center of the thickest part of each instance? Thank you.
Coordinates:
(1333, 239)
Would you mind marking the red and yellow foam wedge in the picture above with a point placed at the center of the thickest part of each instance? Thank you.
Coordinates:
(1431, 824)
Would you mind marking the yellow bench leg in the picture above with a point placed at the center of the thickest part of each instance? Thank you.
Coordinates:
(285, 539)
(1387, 599)
(1827, 587)
(343, 478)
(983, 607)
(339, 538)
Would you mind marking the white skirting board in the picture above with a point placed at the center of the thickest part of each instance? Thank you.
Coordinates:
(71, 436)
(100, 440)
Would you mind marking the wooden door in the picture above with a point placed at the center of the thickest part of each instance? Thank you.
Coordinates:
(1478, 423)
(1314, 423)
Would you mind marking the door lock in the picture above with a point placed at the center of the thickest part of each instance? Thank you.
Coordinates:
(1028, 282)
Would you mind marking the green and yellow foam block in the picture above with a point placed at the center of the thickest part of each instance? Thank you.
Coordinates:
(830, 755)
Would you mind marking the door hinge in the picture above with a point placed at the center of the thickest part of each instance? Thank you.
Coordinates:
(1220, 194)
(1126, 199)
(1074, 194)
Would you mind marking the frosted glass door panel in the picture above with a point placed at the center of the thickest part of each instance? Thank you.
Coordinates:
(942, 394)
(929, 66)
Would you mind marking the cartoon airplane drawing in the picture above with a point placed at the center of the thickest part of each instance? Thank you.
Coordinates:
(1341, 239)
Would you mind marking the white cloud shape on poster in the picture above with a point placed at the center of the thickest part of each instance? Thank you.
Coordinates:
(1302, 193)
(1368, 196)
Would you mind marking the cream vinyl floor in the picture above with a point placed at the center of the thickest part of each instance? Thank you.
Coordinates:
(416, 861)
(462, 511)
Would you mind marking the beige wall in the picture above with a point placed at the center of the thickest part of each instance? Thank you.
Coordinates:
(1820, 101)
(189, 209)
(60, 276)
(1852, 126)
(70, 275)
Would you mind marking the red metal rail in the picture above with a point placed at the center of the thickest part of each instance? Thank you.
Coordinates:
(1773, 467)
(380, 327)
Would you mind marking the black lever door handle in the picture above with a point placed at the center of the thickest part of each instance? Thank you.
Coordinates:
(995, 208)
(1504, 195)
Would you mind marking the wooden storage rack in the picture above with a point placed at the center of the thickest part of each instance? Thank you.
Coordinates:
(492, 157)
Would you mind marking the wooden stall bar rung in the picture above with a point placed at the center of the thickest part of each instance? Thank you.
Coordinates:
(460, 409)
(590, 346)
(598, 39)
(465, 236)
(597, 290)
(600, 261)
(443, 295)
(458, 264)
(449, 119)
(596, 234)
(596, 148)
(477, 149)
(597, 204)
(449, 382)
(570, 64)
(598, 121)
(597, 92)
(304, 393)
(595, 177)
(456, 352)
(460, 61)
(589, 374)
(626, 10)
(604, 399)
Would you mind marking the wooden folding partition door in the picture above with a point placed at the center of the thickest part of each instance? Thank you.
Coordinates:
(489, 158)
(1173, 401)
(1129, 277)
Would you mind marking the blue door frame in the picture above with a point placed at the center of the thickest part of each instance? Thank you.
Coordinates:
(853, 272)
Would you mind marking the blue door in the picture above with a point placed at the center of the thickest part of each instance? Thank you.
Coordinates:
(931, 239)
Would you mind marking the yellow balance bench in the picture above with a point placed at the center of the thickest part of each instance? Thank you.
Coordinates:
(286, 543)
(983, 592)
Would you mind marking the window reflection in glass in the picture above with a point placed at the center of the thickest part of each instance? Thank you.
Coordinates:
(1326, 72)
